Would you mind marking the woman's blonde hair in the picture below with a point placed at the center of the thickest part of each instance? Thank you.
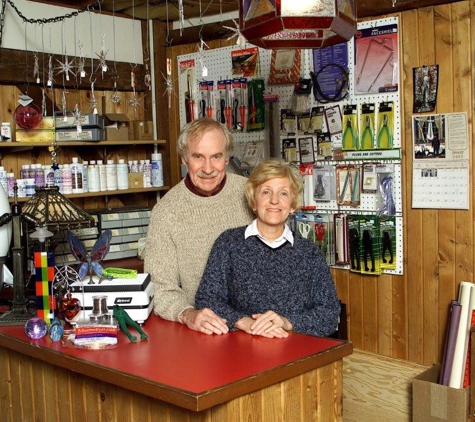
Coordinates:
(273, 169)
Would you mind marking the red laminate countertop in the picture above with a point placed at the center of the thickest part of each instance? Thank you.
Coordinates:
(185, 367)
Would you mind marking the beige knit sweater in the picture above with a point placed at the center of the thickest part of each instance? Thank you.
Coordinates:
(182, 230)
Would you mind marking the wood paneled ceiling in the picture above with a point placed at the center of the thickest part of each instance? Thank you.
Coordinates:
(160, 9)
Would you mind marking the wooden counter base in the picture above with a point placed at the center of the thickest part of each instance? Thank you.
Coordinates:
(31, 390)
(176, 375)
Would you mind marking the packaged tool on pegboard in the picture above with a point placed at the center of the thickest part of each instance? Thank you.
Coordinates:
(223, 108)
(239, 105)
(206, 104)
(255, 93)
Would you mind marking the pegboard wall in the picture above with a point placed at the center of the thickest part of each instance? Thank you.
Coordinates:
(218, 64)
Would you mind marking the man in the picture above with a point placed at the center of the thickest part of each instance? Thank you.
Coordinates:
(187, 221)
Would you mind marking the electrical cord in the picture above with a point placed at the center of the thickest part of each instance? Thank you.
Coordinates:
(341, 91)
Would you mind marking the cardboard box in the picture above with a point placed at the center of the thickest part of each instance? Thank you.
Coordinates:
(68, 135)
(135, 180)
(23, 135)
(86, 120)
(117, 127)
(141, 130)
(432, 402)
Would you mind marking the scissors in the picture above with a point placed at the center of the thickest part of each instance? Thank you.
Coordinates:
(304, 229)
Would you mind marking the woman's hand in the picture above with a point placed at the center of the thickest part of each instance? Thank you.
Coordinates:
(270, 325)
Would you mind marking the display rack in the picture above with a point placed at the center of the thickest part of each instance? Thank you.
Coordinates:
(218, 64)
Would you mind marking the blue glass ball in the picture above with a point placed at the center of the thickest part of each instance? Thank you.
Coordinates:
(36, 328)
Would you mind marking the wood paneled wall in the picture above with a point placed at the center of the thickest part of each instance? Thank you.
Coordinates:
(405, 316)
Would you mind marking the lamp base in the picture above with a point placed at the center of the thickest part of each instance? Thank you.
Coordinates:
(17, 316)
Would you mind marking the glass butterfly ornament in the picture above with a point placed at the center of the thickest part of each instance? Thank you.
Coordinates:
(90, 261)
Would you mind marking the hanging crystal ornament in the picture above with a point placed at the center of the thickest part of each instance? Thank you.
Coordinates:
(241, 39)
(77, 119)
(65, 67)
(115, 98)
(170, 88)
(43, 102)
(50, 71)
(201, 57)
(36, 68)
(102, 57)
(93, 101)
(181, 16)
(64, 103)
(27, 115)
(147, 77)
(81, 62)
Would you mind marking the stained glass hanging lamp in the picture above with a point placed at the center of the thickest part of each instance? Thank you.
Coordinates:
(297, 23)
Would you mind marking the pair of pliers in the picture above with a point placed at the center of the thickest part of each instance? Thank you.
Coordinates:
(367, 137)
(350, 139)
(385, 137)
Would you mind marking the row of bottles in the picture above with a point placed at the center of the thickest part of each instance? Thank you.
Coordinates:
(76, 177)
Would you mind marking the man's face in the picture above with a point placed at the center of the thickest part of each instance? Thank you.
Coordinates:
(206, 159)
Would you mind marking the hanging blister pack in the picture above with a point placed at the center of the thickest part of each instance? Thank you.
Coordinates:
(340, 223)
(385, 138)
(353, 223)
(239, 105)
(366, 127)
(387, 229)
(288, 123)
(350, 131)
(289, 150)
(206, 105)
(324, 183)
(348, 185)
(369, 245)
(255, 94)
(300, 101)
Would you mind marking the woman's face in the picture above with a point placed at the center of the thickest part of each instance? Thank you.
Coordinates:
(273, 201)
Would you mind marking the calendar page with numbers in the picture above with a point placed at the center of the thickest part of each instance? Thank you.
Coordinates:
(441, 149)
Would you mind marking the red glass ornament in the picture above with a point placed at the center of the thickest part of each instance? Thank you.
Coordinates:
(27, 117)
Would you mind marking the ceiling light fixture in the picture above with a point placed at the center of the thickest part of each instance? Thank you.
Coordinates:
(297, 23)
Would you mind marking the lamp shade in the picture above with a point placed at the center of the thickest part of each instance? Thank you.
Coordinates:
(297, 23)
(6, 229)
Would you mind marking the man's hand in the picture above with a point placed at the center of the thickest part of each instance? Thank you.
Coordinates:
(204, 321)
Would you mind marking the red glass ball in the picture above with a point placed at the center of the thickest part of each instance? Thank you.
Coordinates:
(27, 117)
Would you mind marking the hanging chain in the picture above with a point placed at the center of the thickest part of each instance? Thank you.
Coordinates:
(50, 20)
(2, 20)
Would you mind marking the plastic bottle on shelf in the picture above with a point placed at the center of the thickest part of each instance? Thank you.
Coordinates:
(157, 170)
(30, 187)
(25, 171)
(10, 184)
(58, 177)
(102, 175)
(141, 164)
(76, 176)
(67, 179)
(94, 180)
(49, 176)
(85, 179)
(147, 174)
(135, 167)
(39, 176)
(122, 175)
(111, 171)
(3, 179)
(6, 132)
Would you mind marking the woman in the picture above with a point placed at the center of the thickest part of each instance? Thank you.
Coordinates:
(260, 278)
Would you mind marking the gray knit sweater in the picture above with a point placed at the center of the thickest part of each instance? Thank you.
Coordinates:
(245, 277)
(183, 227)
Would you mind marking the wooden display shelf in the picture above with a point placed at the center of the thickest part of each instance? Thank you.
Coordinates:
(104, 193)
(80, 143)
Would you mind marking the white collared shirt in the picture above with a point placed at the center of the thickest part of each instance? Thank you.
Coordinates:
(287, 235)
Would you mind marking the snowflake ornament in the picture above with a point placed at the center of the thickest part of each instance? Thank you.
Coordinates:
(241, 40)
